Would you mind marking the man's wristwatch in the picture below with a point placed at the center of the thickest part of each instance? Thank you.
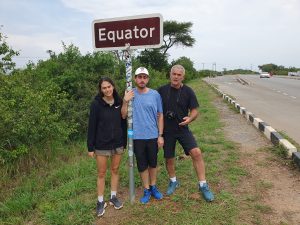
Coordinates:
(160, 135)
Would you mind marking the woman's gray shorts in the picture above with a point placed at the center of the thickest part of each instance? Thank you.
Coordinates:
(116, 151)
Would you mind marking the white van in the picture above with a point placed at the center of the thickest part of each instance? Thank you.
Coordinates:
(264, 75)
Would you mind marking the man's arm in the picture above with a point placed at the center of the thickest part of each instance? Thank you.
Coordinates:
(127, 97)
(188, 119)
(160, 123)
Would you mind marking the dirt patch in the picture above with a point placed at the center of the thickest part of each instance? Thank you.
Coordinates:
(112, 215)
(270, 193)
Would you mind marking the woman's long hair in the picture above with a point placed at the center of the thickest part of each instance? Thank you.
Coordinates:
(107, 79)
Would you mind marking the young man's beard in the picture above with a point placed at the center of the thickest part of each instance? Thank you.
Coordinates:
(142, 86)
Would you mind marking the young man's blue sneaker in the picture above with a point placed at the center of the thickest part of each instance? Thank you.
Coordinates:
(206, 193)
(147, 195)
(172, 186)
(155, 192)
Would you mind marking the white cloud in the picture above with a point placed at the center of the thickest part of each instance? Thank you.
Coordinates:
(34, 48)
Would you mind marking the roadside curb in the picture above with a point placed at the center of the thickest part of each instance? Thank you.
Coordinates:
(268, 131)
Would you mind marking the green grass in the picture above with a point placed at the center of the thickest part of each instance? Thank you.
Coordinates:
(65, 191)
(263, 185)
(263, 208)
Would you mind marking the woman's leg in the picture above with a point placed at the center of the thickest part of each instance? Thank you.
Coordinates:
(115, 164)
(101, 166)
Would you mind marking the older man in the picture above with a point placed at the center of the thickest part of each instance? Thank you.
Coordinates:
(180, 109)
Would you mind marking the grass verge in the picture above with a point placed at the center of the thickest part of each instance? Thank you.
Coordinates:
(65, 193)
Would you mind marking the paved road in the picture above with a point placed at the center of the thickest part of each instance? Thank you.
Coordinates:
(275, 100)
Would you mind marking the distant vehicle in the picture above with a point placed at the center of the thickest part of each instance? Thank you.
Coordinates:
(264, 75)
(294, 73)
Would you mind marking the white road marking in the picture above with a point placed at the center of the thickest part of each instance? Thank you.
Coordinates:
(286, 94)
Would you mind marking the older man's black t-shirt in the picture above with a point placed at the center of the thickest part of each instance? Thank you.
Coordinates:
(179, 102)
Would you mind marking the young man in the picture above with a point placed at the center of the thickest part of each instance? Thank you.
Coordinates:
(147, 131)
(180, 109)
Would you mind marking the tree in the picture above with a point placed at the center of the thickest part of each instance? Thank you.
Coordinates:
(268, 67)
(153, 58)
(6, 54)
(176, 33)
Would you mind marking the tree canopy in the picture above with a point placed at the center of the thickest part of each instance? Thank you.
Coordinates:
(177, 33)
(153, 58)
(6, 54)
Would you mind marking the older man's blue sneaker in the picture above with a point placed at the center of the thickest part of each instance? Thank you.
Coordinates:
(155, 192)
(172, 186)
(206, 193)
(146, 198)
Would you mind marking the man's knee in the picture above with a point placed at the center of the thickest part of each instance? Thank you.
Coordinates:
(196, 154)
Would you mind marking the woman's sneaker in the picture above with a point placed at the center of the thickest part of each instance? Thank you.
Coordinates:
(115, 202)
(100, 208)
(155, 192)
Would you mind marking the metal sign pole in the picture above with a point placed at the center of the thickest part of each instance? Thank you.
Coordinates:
(129, 121)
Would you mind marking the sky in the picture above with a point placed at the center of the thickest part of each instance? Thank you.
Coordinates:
(232, 34)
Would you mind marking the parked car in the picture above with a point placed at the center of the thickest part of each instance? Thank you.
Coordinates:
(264, 75)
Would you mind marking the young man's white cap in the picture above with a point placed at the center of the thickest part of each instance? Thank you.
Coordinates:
(141, 70)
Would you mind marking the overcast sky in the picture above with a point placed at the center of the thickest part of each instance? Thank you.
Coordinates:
(231, 33)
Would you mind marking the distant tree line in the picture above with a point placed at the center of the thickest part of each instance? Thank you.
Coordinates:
(277, 70)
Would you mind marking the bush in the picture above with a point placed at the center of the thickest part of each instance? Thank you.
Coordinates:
(30, 115)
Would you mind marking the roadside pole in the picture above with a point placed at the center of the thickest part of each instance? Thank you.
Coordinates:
(129, 122)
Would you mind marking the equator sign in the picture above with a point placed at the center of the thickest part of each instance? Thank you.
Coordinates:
(144, 31)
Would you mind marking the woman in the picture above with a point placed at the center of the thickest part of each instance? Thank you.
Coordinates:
(106, 138)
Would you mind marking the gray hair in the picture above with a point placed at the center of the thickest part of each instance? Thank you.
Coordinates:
(180, 67)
